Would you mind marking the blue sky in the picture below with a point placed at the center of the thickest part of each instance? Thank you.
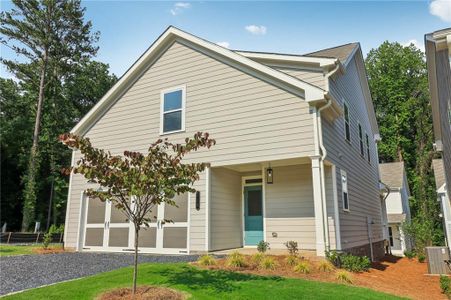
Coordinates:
(128, 27)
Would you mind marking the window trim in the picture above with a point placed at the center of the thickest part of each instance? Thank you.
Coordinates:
(182, 109)
(343, 190)
(348, 122)
(368, 152)
(361, 144)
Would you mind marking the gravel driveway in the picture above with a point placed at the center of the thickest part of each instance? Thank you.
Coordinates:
(22, 272)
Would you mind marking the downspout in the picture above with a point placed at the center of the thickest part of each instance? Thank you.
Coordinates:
(324, 154)
(385, 219)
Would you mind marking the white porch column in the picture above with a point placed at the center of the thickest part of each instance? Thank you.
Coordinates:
(318, 207)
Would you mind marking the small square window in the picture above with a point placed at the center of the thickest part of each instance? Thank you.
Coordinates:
(172, 110)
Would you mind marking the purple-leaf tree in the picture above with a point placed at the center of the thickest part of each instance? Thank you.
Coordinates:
(146, 180)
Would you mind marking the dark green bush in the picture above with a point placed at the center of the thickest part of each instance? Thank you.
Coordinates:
(421, 257)
(355, 263)
(263, 246)
(445, 285)
(409, 254)
(334, 257)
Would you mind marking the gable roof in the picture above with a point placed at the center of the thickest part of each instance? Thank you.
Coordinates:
(392, 174)
(342, 52)
(439, 172)
(305, 90)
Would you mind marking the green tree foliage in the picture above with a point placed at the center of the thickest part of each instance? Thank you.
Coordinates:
(398, 81)
(144, 180)
(52, 37)
(73, 84)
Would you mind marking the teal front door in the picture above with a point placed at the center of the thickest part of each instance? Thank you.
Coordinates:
(253, 215)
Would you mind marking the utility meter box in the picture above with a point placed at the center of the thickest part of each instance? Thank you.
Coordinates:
(438, 260)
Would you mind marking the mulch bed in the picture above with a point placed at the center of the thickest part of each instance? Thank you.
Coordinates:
(50, 250)
(397, 276)
(143, 293)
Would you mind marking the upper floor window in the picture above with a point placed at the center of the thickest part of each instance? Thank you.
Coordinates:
(347, 129)
(362, 152)
(344, 190)
(367, 140)
(172, 118)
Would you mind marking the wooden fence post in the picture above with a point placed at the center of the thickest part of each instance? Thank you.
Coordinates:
(37, 238)
(9, 237)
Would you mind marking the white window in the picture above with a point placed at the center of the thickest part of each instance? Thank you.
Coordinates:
(367, 147)
(344, 190)
(347, 128)
(172, 117)
(362, 151)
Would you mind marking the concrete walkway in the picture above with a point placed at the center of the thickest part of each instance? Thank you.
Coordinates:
(23, 272)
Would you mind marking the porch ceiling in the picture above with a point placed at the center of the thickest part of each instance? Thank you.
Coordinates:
(251, 167)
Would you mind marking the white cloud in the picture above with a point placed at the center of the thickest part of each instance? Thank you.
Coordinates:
(223, 44)
(416, 43)
(441, 9)
(257, 30)
(179, 7)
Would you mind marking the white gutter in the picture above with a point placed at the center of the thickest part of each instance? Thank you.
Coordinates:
(324, 154)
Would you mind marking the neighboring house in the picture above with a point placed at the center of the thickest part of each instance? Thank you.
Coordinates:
(438, 50)
(439, 174)
(295, 158)
(393, 176)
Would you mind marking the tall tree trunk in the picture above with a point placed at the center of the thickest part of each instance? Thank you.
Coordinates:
(135, 270)
(30, 186)
(49, 213)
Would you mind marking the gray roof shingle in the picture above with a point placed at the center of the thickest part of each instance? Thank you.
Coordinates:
(341, 52)
(392, 174)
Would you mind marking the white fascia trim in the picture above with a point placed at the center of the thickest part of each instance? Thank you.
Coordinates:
(310, 92)
(442, 189)
(322, 62)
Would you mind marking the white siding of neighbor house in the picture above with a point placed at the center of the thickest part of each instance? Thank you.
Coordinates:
(393, 203)
(250, 119)
(289, 208)
(363, 185)
(226, 230)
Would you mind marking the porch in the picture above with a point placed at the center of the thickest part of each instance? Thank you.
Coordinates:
(246, 206)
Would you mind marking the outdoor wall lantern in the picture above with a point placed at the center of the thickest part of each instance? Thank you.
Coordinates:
(197, 200)
(269, 175)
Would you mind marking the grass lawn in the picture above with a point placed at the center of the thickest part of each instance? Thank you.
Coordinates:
(202, 284)
(6, 250)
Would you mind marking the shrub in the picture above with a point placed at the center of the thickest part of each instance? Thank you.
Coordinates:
(302, 267)
(421, 257)
(344, 277)
(267, 263)
(355, 263)
(263, 246)
(325, 266)
(236, 259)
(292, 247)
(206, 260)
(409, 254)
(257, 258)
(291, 260)
(334, 257)
(445, 285)
(49, 235)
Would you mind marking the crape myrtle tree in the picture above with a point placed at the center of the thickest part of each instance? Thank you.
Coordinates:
(136, 183)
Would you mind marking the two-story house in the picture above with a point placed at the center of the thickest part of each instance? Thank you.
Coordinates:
(295, 159)
(393, 176)
(438, 56)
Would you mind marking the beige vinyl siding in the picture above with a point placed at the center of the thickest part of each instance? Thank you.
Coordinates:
(226, 230)
(198, 217)
(289, 207)
(315, 77)
(250, 119)
(363, 186)
(330, 206)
